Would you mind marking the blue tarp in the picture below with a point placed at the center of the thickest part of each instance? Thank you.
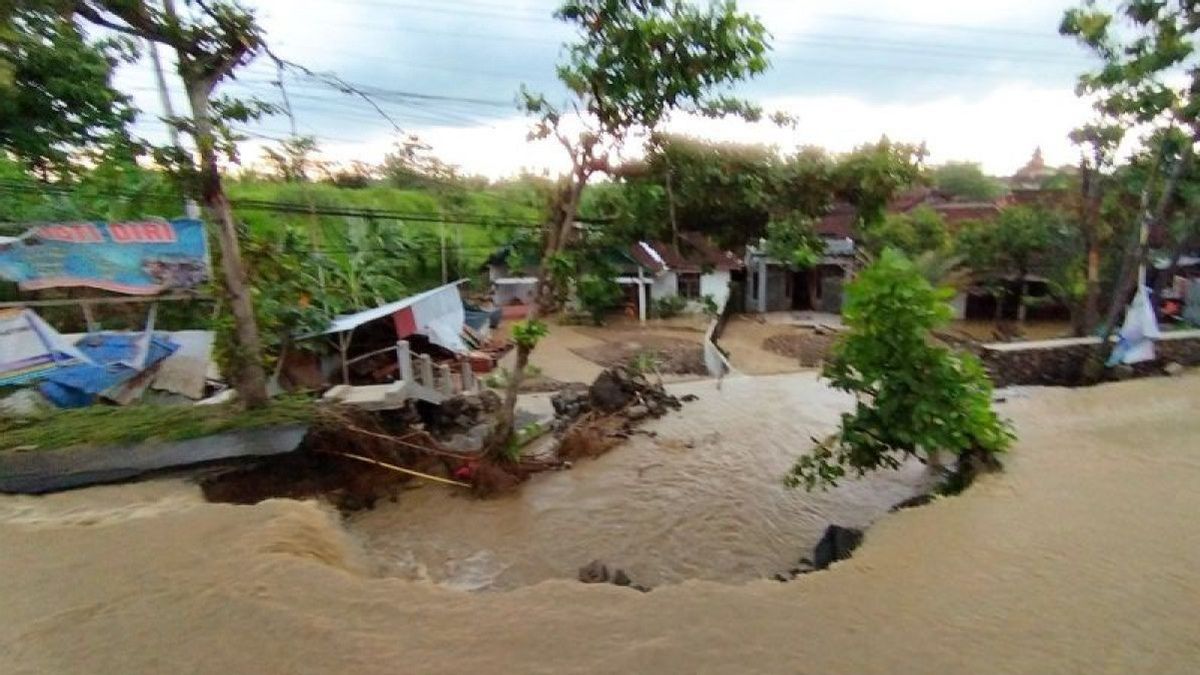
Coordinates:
(77, 386)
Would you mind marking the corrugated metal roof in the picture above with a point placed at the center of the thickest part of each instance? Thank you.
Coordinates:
(347, 322)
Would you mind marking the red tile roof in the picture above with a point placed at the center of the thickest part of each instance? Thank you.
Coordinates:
(695, 253)
(840, 221)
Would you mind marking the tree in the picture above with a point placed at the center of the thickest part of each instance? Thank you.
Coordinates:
(210, 45)
(49, 122)
(918, 231)
(634, 62)
(913, 396)
(294, 161)
(1150, 79)
(1098, 146)
(871, 176)
(1008, 248)
(791, 239)
(967, 181)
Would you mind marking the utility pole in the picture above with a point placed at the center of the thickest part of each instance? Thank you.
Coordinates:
(190, 208)
(314, 234)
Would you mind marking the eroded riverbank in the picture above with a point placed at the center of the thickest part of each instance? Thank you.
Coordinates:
(701, 499)
(1084, 556)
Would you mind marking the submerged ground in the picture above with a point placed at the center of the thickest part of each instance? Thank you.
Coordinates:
(1084, 556)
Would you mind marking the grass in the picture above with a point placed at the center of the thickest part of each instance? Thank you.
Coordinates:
(105, 425)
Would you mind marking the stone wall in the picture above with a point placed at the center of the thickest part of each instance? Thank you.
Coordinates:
(1061, 362)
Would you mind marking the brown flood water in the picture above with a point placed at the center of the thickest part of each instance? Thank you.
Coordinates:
(704, 499)
(1082, 557)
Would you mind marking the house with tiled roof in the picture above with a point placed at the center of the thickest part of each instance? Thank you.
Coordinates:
(648, 271)
(773, 286)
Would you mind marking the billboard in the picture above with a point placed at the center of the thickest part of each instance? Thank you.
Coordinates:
(144, 257)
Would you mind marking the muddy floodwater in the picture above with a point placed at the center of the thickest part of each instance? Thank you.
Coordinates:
(1083, 556)
(701, 499)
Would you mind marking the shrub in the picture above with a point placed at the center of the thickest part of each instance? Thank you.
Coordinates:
(914, 397)
(599, 294)
(669, 306)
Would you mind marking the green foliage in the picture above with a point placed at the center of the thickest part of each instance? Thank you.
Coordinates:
(670, 306)
(871, 175)
(1143, 47)
(709, 304)
(502, 376)
(526, 334)
(918, 231)
(645, 363)
(599, 294)
(1011, 244)
(731, 191)
(58, 108)
(791, 239)
(636, 61)
(295, 161)
(99, 425)
(967, 181)
(914, 397)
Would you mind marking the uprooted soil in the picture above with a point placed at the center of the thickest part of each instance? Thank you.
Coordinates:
(810, 347)
(671, 356)
(323, 467)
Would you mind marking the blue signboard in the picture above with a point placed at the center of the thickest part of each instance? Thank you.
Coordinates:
(136, 258)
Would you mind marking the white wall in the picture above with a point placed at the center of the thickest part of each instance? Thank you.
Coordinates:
(665, 285)
(716, 284)
(503, 294)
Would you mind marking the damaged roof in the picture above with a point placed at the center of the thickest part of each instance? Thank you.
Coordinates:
(695, 253)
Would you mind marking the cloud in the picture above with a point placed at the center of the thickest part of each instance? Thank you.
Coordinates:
(999, 130)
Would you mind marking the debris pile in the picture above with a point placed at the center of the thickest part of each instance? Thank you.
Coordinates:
(596, 572)
(593, 419)
(616, 391)
(460, 414)
(838, 543)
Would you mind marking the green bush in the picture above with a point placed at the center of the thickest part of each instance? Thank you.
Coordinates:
(599, 294)
(671, 305)
(914, 397)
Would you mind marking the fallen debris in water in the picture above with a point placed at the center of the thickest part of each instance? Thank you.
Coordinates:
(596, 572)
(593, 419)
(838, 543)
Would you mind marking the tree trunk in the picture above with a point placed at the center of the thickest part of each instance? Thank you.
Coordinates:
(1136, 253)
(249, 377)
(554, 240)
(1022, 290)
(1091, 298)
(1089, 217)
(1001, 294)
(671, 204)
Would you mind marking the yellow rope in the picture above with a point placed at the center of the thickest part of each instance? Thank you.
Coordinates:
(401, 469)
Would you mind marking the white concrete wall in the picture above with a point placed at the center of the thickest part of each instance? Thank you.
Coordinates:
(716, 284)
(503, 294)
(665, 285)
(958, 305)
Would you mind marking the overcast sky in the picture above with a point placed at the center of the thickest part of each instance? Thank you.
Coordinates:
(979, 80)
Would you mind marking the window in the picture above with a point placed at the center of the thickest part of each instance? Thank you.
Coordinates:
(689, 285)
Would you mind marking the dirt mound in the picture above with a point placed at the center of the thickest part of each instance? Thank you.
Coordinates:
(669, 356)
(809, 346)
(596, 418)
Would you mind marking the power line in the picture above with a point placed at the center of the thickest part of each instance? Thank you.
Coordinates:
(11, 186)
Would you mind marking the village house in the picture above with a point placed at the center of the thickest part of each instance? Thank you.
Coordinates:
(694, 270)
(773, 286)
(647, 271)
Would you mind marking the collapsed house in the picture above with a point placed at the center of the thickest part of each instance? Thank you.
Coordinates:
(366, 345)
